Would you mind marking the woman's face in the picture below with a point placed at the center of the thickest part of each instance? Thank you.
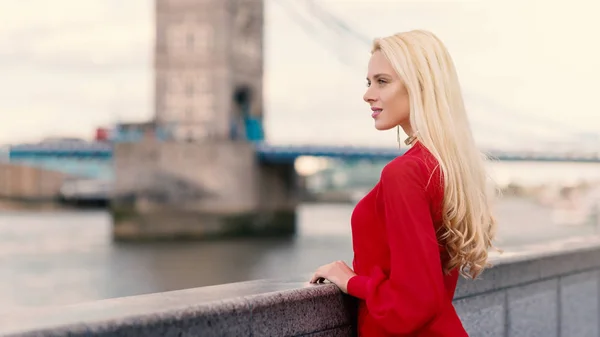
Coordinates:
(386, 94)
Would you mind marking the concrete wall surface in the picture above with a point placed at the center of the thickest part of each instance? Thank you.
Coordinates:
(29, 183)
(553, 291)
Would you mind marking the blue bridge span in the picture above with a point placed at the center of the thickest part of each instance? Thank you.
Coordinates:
(94, 159)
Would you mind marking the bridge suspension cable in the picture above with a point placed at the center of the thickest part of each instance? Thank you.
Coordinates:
(328, 18)
(340, 27)
(524, 121)
(306, 24)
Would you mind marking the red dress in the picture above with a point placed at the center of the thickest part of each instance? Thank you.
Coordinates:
(400, 284)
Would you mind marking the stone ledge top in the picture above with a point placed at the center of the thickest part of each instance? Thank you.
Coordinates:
(115, 311)
(546, 249)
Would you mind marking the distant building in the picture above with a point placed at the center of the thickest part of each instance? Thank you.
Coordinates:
(103, 135)
(133, 132)
(61, 140)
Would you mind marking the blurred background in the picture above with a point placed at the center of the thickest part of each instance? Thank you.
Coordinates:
(82, 79)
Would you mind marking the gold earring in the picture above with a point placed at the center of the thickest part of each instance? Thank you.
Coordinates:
(398, 137)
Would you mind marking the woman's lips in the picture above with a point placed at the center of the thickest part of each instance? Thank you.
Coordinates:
(376, 112)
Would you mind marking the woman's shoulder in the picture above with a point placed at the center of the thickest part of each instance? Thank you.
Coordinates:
(416, 158)
(403, 168)
(416, 165)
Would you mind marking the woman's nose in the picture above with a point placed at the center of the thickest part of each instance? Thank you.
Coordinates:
(368, 96)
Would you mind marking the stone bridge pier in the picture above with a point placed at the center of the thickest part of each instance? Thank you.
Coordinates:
(200, 190)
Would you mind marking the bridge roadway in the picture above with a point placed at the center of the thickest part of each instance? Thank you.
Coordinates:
(285, 154)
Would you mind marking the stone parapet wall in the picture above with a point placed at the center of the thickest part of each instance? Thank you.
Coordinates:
(549, 292)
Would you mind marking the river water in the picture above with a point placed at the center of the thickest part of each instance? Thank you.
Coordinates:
(55, 258)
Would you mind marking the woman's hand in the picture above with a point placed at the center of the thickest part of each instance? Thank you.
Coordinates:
(336, 272)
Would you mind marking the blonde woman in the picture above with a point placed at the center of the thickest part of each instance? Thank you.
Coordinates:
(428, 219)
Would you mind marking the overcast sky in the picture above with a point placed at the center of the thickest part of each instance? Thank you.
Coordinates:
(529, 69)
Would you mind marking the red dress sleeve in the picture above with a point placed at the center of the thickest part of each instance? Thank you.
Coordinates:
(414, 292)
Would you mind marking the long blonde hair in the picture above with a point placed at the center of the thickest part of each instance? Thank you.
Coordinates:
(438, 116)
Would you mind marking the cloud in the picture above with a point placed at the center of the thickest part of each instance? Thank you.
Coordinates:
(93, 45)
(66, 73)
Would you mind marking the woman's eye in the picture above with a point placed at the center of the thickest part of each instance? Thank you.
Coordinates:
(381, 81)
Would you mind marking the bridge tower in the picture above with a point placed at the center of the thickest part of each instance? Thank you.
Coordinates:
(208, 67)
(197, 173)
